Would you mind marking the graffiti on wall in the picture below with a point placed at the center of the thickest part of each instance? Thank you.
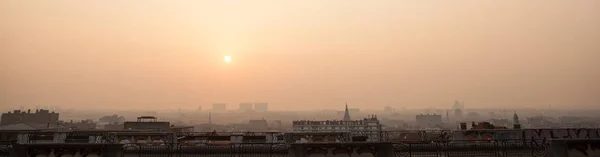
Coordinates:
(419, 136)
(483, 135)
(543, 134)
(583, 149)
(479, 135)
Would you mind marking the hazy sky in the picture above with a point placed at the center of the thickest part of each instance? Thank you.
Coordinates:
(300, 54)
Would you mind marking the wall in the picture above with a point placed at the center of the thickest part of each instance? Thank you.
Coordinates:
(147, 125)
(583, 149)
(487, 135)
(547, 134)
(574, 148)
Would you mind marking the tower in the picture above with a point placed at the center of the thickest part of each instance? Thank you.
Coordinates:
(346, 113)
(516, 124)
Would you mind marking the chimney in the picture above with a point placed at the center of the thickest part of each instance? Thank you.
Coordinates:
(463, 126)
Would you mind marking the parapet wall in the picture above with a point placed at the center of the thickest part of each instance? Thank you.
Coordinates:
(574, 148)
(528, 134)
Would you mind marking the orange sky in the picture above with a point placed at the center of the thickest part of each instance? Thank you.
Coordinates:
(300, 54)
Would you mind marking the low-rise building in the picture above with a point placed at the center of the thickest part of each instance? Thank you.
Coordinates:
(369, 127)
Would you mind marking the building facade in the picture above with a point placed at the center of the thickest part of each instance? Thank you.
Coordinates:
(246, 107)
(429, 120)
(369, 127)
(219, 107)
(261, 107)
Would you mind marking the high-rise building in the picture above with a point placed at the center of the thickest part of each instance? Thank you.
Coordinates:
(219, 107)
(246, 106)
(261, 107)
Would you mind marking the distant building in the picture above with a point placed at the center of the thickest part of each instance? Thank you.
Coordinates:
(149, 123)
(258, 125)
(39, 116)
(458, 113)
(246, 107)
(369, 127)
(474, 132)
(458, 108)
(261, 107)
(112, 119)
(219, 107)
(111, 126)
(429, 120)
(82, 125)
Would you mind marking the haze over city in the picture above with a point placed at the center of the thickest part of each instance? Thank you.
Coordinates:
(299, 55)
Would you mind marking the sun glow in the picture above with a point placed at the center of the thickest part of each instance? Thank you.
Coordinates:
(227, 59)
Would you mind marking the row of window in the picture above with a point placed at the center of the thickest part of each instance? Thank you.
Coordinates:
(334, 128)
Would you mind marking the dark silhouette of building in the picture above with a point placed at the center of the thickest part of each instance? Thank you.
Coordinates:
(81, 125)
(428, 120)
(39, 116)
(112, 119)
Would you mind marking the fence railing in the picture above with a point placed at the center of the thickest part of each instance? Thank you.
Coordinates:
(6, 147)
(518, 147)
(176, 150)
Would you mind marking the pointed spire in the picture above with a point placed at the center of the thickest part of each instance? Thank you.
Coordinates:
(346, 113)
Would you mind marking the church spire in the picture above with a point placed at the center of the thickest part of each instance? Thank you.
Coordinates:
(346, 113)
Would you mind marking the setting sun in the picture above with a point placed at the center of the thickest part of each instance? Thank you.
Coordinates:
(227, 59)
